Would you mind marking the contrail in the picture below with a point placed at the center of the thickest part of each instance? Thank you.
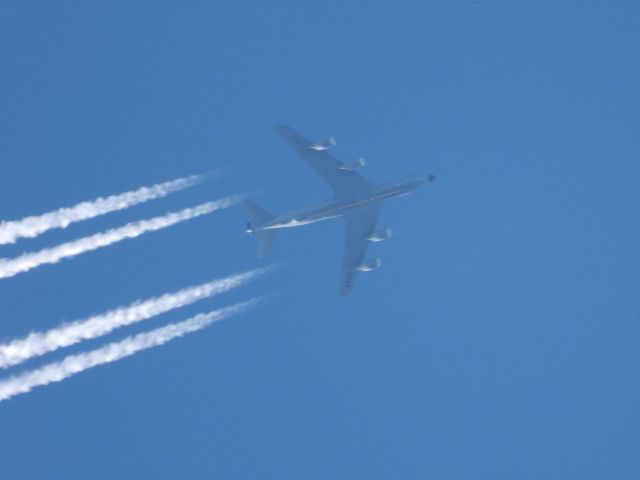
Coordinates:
(12, 266)
(33, 226)
(39, 343)
(73, 364)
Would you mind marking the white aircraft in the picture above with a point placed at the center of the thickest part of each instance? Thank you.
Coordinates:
(356, 200)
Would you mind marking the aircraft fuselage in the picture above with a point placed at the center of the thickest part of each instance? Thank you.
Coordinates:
(345, 205)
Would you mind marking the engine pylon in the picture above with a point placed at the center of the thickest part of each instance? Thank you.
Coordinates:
(353, 166)
(369, 265)
(379, 235)
(319, 147)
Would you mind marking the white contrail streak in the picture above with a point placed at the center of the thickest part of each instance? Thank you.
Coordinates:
(39, 343)
(12, 266)
(29, 227)
(73, 364)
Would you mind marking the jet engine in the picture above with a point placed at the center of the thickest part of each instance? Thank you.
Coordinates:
(369, 265)
(379, 235)
(249, 229)
(352, 166)
(319, 147)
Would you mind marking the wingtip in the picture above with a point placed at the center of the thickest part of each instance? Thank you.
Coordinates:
(344, 290)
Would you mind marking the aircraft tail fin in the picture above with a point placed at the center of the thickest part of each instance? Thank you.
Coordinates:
(259, 217)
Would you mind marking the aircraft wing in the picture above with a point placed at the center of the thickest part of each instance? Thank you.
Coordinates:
(360, 224)
(343, 182)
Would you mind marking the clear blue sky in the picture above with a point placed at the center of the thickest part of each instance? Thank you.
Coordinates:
(498, 340)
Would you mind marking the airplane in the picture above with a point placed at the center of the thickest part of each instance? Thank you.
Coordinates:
(356, 200)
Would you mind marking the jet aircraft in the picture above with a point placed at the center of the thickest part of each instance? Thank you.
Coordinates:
(356, 200)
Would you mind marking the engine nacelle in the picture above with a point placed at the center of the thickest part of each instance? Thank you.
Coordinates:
(380, 235)
(369, 265)
(319, 147)
(249, 230)
(352, 166)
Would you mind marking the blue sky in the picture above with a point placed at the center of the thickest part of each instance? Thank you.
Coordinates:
(498, 340)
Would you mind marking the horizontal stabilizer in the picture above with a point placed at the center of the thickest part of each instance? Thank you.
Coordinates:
(259, 217)
(265, 241)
